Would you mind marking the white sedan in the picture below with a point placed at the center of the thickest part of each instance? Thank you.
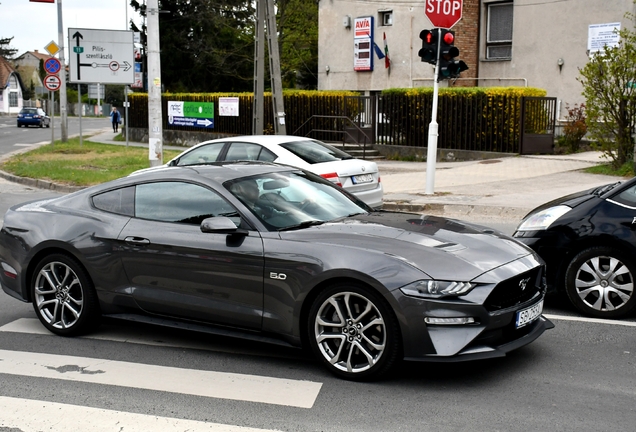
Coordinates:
(357, 176)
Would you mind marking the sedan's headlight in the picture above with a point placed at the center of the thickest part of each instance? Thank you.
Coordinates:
(542, 220)
(430, 288)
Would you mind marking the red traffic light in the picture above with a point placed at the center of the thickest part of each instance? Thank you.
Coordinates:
(429, 38)
(449, 38)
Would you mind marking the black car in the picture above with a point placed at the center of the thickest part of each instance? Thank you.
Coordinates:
(277, 254)
(33, 117)
(588, 241)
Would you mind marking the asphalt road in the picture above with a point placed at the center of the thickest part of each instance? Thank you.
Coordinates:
(580, 375)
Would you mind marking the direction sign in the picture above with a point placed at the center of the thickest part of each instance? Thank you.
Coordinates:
(193, 114)
(52, 66)
(101, 56)
(444, 13)
(52, 82)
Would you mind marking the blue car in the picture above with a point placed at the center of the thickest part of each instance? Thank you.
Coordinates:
(34, 117)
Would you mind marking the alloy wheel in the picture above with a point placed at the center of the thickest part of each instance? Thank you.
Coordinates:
(59, 295)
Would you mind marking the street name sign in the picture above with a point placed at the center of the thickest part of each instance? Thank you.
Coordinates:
(101, 56)
(444, 13)
(193, 114)
(52, 82)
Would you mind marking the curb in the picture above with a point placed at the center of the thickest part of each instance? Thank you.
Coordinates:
(40, 184)
(458, 209)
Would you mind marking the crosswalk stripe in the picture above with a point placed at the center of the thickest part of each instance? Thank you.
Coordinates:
(146, 336)
(32, 416)
(241, 387)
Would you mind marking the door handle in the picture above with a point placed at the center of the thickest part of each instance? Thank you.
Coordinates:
(137, 240)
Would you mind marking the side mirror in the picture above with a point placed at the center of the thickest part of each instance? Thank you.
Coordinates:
(221, 225)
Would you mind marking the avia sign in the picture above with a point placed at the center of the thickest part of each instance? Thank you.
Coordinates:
(444, 13)
(193, 114)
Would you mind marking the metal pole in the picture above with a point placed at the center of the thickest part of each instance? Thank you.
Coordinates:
(431, 151)
(52, 112)
(274, 70)
(79, 110)
(259, 70)
(155, 131)
(126, 107)
(62, 74)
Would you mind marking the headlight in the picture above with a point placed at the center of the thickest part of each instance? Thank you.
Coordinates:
(430, 288)
(543, 219)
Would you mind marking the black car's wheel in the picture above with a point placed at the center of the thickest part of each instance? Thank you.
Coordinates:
(600, 282)
(354, 332)
(48, 125)
(63, 295)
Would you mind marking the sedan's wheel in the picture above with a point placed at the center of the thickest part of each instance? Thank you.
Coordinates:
(353, 332)
(600, 282)
(63, 296)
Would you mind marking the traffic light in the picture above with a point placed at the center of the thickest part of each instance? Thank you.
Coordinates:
(428, 53)
(448, 66)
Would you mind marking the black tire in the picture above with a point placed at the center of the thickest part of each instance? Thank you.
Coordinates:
(41, 124)
(70, 308)
(600, 282)
(48, 125)
(349, 332)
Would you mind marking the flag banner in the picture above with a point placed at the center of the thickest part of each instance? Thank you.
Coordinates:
(378, 51)
(387, 60)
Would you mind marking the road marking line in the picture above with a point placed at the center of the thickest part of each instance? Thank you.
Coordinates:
(146, 336)
(34, 415)
(222, 385)
(590, 320)
(23, 145)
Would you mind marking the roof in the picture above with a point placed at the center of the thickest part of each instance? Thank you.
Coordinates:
(5, 72)
(37, 54)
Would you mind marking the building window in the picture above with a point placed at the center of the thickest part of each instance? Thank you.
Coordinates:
(385, 17)
(13, 82)
(499, 33)
(13, 99)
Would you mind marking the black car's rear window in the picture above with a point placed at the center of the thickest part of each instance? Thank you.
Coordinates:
(315, 152)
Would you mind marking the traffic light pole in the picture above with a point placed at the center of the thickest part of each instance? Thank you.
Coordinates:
(431, 152)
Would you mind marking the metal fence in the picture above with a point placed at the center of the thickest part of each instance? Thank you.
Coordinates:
(476, 121)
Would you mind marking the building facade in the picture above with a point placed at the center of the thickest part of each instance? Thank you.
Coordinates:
(10, 89)
(28, 66)
(534, 43)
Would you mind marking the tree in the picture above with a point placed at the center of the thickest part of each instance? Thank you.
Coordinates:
(297, 23)
(609, 87)
(5, 50)
(205, 46)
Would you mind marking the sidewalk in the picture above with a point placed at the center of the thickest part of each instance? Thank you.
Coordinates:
(508, 187)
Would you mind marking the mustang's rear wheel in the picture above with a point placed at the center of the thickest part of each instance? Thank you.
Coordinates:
(600, 282)
(353, 332)
(63, 295)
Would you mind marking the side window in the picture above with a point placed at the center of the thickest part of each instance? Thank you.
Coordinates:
(627, 197)
(499, 31)
(120, 201)
(243, 151)
(180, 202)
(266, 155)
(203, 154)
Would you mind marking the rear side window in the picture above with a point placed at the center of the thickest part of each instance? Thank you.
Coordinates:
(29, 111)
(120, 201)
(249, 151)
(315, 152)
(203, 154)
(627, 197)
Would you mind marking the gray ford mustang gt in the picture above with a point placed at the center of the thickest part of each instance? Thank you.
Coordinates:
(277, 254)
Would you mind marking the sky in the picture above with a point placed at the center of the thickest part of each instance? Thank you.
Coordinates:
(34, 25)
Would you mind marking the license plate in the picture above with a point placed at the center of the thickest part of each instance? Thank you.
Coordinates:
(363, 178)
(526, 316)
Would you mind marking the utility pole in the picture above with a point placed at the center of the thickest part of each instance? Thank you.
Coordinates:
(259, 71)
(62, 74)
(155, 126)
(269, 14)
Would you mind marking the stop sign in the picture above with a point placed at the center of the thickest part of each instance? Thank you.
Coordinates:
(444, 13)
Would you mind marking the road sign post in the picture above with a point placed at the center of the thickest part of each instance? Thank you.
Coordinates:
(442, 14)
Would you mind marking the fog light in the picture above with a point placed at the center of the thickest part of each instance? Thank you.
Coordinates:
(449, 321)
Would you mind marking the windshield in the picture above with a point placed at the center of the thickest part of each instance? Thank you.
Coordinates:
(314, 152)
(294, 200)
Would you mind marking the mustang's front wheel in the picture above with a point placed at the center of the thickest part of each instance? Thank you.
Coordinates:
(63, 296)
(353, 332)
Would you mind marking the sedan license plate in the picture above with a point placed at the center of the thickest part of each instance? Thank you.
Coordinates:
(526, 316)
(362, 178)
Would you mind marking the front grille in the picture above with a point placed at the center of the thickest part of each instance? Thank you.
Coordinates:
(516, 290)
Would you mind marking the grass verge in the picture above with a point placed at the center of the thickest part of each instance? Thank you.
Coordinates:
(627, 170)
(71, 164)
